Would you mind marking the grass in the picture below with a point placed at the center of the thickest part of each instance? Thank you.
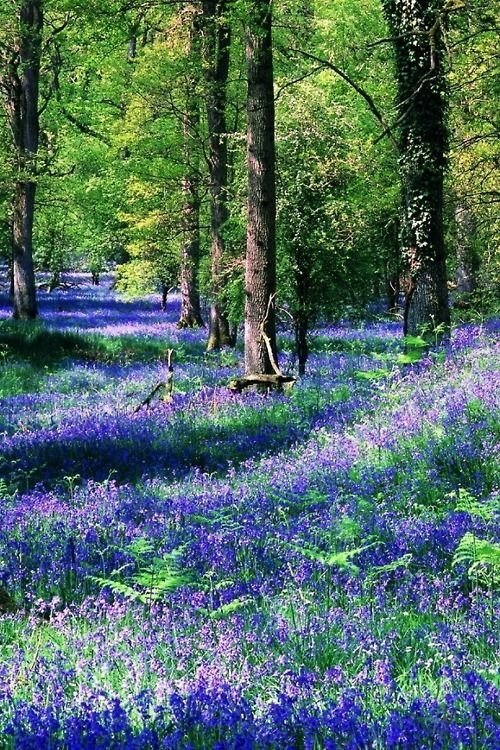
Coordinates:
(34, 343)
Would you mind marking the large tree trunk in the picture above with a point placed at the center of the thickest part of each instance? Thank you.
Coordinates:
(20, 83)
(418, 42)
(190, 295)
(260, 272)
(216, 65)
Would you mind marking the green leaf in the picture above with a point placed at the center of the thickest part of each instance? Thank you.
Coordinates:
(372, 374)
(409, 358)
(401, 562)
(333, 559)
(229, 609)
(415, 342)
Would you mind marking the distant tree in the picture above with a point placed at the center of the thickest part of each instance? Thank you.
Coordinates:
(338, 189)
(260, 273)
(190, 315)
(20, 60)
(217, 34)
(473, 183)
(416, 30)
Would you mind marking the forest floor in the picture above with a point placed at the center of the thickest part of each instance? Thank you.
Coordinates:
(312, 570)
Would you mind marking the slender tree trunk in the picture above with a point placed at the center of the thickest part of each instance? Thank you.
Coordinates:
(164, 297)
(260, 272)
(216, 65)
(301, 329)
(10, 271)
(418, 44)
(303, 293)
(20, 83)
(190, 295)
(132, 42)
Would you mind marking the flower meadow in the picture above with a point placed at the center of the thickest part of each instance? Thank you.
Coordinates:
(316, 569)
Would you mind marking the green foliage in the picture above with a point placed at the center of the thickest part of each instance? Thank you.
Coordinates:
(467, 503)
(480, 555)
(8, 493)
(482, 558)
(155, 577)
(235, 606)
(473, 180)
(342, 560)
(401, 562)
(372, 374)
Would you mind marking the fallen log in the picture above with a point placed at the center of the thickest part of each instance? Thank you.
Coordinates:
(271, 381)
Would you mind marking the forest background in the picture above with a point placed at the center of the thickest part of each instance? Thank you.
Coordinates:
(124, 143)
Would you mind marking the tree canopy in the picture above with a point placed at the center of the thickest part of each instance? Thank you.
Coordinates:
(122, 144)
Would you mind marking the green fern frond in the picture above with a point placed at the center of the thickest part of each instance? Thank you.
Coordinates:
(117, 587)
(340, 560)
(401, 562)
(482, 557)
(152, 581)
(229, 609)
(467, 503)
(140, 548)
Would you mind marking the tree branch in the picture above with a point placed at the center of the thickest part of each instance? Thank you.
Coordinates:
(359, 90)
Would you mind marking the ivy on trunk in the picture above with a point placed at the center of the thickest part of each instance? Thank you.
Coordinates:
(417, 33)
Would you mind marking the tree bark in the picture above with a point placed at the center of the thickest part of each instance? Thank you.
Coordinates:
(216, 66)
(164, 297)
(190, 316)
(418, 43)
(260, 271)
(20, 83)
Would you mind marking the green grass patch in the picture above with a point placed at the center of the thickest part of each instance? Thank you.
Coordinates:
(35, 343)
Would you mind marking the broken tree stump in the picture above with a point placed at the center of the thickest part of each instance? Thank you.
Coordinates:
(167, 386)
(262, 380)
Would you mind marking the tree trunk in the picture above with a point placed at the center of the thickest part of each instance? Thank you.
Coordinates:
(303, 293)
(418, 43)
(301, 329)
(190, 295)
(164, 297)
(216, 66)
(393, 268)
(220, 330)
(20, 83)
(260, 272)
